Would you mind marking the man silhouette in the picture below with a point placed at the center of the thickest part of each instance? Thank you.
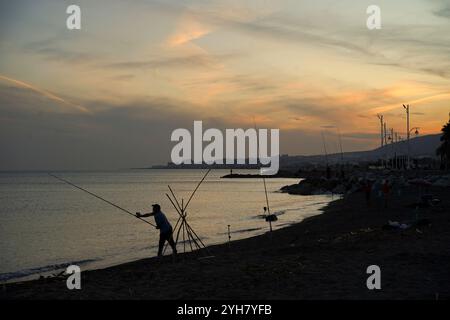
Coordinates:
(164, 226)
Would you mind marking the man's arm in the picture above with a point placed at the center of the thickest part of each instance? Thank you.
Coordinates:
(145, 215)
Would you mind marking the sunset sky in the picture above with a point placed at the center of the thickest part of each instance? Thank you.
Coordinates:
(109, 95)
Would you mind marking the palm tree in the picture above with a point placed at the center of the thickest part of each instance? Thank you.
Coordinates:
(444, 149)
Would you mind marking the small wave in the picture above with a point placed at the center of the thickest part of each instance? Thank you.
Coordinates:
(277, 213)
(240, 231)
(38, 270)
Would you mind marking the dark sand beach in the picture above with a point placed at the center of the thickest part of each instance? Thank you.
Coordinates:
(323, 257)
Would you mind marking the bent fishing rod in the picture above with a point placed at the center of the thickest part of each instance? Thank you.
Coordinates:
(98, 197)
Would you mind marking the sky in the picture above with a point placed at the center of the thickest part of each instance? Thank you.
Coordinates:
(109, 95)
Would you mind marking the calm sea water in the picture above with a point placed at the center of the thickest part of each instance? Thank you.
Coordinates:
(46, 225)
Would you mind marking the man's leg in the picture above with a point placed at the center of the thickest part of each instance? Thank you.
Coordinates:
(172, 243)
(162, 240)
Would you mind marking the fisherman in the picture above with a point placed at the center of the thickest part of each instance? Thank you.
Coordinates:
(164, 226)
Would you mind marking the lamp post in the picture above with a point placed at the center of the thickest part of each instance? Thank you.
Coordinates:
(407, 132)
(416, 132)
(380, 117)
(395, 150)
(402, 158)
(392, 140)
(386, 155)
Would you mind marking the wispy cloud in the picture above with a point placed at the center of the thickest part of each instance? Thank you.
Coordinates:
(429, 98)
(301, 66)
(190, 61)
(44, 93)
(188, 30)
(275, 28)
(54, 50)
(444, 10)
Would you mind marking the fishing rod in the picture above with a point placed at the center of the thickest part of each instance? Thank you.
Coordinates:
(267, 198)
(264, 178)
(98, 197)
(196, 188)
(265, 190)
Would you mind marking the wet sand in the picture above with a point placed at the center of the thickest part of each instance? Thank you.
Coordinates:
(323, 257)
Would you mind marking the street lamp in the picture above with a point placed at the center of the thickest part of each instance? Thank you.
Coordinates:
(407, 130)
(415, 132)
(381, 118)
(391, 140)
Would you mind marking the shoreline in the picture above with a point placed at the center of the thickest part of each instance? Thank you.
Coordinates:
(322, 257)
(95, 265)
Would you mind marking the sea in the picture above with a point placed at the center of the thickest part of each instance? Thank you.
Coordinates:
(47, 225)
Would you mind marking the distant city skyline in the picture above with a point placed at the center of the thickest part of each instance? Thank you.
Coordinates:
(109, 95)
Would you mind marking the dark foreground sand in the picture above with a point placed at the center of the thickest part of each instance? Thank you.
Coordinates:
(324, 257)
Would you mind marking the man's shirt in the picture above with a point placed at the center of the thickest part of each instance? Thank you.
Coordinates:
(162, 222)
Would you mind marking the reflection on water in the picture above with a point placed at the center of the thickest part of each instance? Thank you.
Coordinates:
(45, 224)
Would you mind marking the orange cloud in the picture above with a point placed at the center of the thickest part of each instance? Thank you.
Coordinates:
(434, 97)
(188, 31)
(44, 93)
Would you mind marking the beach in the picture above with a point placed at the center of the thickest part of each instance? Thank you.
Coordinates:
(322, 257)
(47, 225)
(285, 150)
